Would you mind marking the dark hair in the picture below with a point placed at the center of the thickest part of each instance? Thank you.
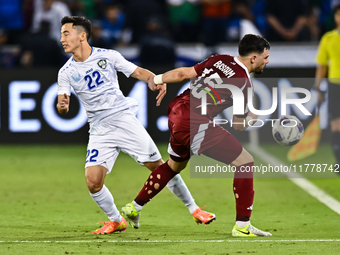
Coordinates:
(336, 8)
(252, 44)
(78, 21)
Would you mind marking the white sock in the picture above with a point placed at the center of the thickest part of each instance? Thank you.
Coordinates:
(104, 200)
(137, 206)
(242, 224)
(177, 186)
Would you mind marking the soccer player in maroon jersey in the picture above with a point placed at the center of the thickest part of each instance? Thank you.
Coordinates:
(193, 131)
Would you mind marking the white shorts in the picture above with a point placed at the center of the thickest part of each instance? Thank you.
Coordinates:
(120, 131)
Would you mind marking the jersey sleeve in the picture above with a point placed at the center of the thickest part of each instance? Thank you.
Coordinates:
(63, 84)
(322, 56)
(123, 65)
(199, 67)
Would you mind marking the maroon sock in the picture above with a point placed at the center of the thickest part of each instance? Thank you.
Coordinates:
(157, 180)
(244, 191)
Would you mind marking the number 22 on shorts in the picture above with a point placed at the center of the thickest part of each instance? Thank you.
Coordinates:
(92, 154)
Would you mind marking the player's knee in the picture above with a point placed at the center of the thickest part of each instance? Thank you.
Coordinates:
(94, 185)
(153, 165)
(244, 158)
(249, 158)
(177, 166)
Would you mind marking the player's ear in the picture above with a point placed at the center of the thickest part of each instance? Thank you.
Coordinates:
(83, 36)
(253, 58)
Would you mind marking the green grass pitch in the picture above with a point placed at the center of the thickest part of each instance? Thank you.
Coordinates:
(45, 208)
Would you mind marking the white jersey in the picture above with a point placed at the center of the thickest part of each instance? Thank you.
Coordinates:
(95, 82)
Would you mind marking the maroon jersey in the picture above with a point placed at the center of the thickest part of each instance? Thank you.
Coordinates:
(209, 90)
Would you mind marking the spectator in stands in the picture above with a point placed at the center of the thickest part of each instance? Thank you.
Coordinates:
(85, 8)
(215, 20)
(3, 54)
(76, 7)
(51, 11)
(137, 15)
(27, 12)
(258, 9)
(156, 47)
(8, 54)
(287, 20)
(242, 9)
(89, 8)
(96, 38)
(326, 17)
(241, 21)
(313, 20)
(11, 19)
(112, 24)
(3, 37)
(328, 60)
(100, 6)
(185, 17)
(40, 50)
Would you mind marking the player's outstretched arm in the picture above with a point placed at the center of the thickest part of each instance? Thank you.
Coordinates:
(146, 76)
(142, 74)
(63, 103)
(176, 75)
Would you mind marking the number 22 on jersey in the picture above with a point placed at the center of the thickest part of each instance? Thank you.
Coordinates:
(93, 81)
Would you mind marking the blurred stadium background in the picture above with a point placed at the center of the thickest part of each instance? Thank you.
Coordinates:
(41, 149)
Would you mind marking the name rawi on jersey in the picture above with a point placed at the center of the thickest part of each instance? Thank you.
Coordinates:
(224, 68)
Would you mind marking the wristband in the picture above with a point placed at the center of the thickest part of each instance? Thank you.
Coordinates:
(158, 79)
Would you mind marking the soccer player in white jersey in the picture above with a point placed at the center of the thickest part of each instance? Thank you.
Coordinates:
(92, 73)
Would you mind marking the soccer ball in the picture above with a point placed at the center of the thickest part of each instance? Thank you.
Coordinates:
(288, 130)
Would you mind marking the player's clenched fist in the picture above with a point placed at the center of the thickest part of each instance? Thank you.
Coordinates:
(63, 103)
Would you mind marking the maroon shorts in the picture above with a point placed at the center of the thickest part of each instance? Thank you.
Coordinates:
(214, 142)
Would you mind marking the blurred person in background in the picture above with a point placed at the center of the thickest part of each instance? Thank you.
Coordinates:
(27, 11)
(83, 8)
(7, 57)
(112, 24)
(287, 20)
(216, 15)
(76, 7)
(96, 38)
(242, 21)
(313, 20)
(185, 19)
(137, 15)
(258, 8)
(156, 47)
(51, 11)
(11, 19)
(40, 50)
(326, 15)
(328, 65)
(3, 37)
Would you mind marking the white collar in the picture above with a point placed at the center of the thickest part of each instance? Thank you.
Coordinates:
(243, 66)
